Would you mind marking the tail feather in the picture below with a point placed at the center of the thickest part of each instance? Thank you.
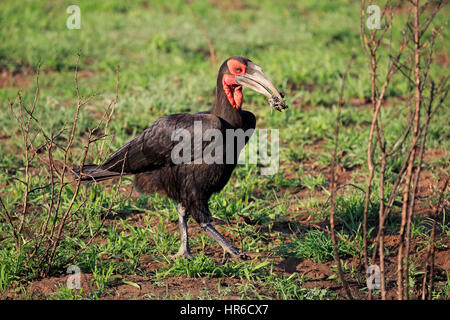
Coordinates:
(92, 172)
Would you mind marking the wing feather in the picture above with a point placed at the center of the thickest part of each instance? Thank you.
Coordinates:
(152, 148)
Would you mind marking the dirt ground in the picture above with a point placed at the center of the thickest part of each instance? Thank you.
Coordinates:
(317, 275)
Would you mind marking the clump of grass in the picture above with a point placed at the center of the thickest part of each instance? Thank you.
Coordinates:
(164, 242)
(102, 277)
(315, 245)
(314, 183)
(65, 293)
(287, 287)
(443, 292)
(203, 266)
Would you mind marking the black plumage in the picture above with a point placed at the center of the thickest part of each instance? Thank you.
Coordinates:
(148, 156)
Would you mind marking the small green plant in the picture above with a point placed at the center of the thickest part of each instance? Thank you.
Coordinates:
(65, 293)
(4, 279)
(292, 288)
(203, 266)
(442, 293)
(102, 276)
(315, 245)
(314, 183)
(163, 241)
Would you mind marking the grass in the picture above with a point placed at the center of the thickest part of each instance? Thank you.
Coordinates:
(165, 68)
(315, 245)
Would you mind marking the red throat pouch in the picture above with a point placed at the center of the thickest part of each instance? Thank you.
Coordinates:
(233, 92)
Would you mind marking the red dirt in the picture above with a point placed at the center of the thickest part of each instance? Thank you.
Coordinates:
(147, 289)
(317, 275)
(15, 79)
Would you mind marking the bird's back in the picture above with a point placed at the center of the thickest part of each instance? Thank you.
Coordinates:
(198, 178)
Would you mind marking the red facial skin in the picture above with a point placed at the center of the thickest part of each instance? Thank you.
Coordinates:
(231, 88)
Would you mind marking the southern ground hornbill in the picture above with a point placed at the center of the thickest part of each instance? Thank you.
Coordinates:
(150, 155)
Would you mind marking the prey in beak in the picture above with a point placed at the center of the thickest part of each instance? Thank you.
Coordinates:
(243, 72)
(256, 80)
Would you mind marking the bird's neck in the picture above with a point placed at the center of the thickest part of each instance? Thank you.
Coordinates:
(223, 108)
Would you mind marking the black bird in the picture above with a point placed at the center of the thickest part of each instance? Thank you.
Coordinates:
(163, 162)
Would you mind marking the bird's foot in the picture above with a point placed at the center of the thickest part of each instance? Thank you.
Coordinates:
(244, 256)
(183, 254)
(233, 253)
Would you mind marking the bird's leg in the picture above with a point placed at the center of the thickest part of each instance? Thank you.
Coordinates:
(184, 251)
(227, 247)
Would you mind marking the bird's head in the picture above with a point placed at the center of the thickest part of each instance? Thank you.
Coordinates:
(236, 72)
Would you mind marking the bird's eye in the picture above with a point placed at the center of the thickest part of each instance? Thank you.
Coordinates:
(238, 70)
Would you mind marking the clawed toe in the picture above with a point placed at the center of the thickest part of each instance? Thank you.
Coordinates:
(244, 256)
(182, 255)
(234, 254)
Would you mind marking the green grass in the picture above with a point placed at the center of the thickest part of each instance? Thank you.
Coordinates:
(202, 266)
(303, 47)
(316, 245)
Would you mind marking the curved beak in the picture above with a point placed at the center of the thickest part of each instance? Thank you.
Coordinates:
(256, 80)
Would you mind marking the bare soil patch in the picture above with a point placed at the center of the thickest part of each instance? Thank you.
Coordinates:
(20, 79)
